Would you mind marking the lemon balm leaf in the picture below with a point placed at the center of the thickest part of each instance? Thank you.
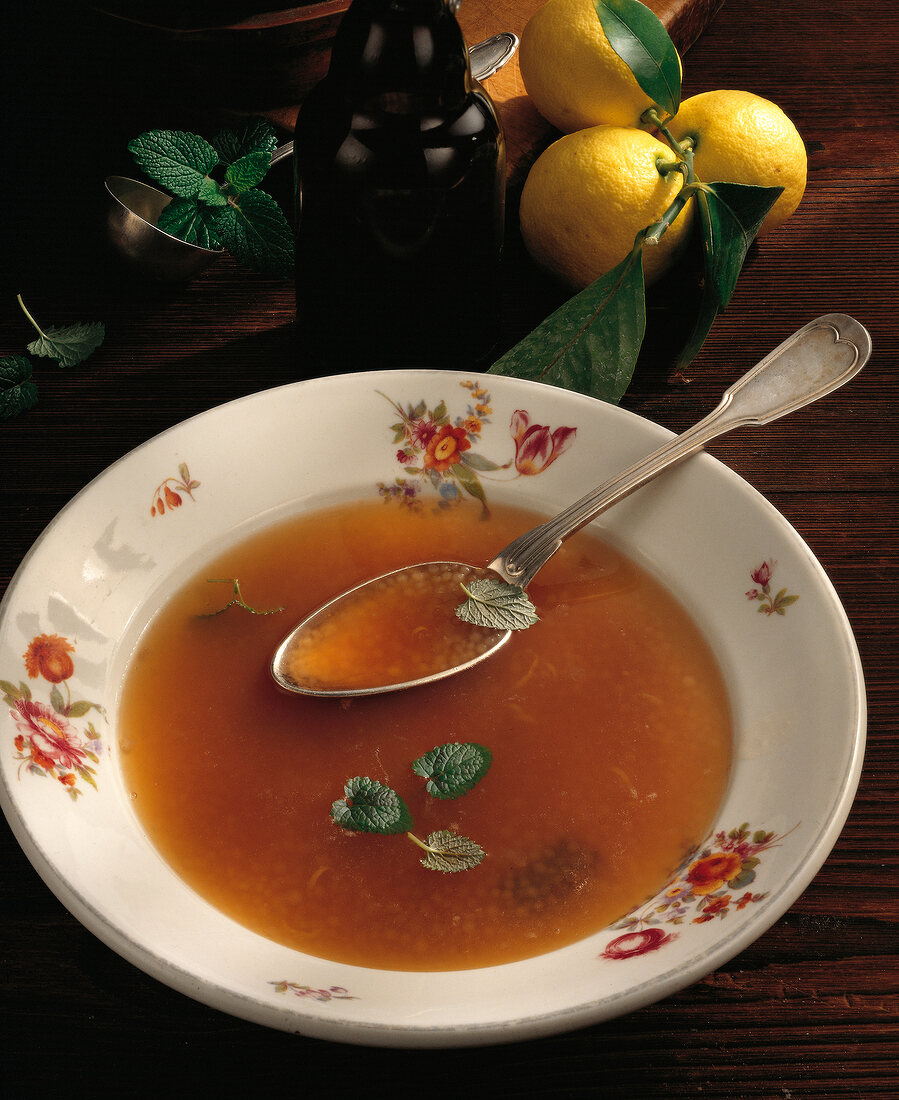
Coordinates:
(454, 769)
(254, 135)
(191, 222)
(248, 171)
(69, 345)
(179, 161)
(17, 391)
(447, 852)
(591, 343)
(254, 230)
(370, 807)
(497, 605)
(639, 38)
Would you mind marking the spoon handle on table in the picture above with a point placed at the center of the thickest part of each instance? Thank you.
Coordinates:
(820, 357)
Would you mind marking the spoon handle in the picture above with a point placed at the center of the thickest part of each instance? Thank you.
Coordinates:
(820, 357)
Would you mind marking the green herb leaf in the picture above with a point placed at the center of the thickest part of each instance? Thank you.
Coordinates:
(237, 599)
(591, 343)
(178, 160)
(729, 221)
(17, 391)
(253, 228)
(191, 222)
(497, 605)
(447, 852)
(452, 770)
(370, 807)
(68, 345)
(639, 38)
(212, 193)
(247, 172)
(254, 135)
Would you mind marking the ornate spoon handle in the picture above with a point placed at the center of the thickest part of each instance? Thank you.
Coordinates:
(820, 357)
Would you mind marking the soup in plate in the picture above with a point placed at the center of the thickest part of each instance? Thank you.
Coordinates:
(607, 722)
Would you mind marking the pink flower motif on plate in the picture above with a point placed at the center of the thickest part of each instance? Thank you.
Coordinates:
(440, 451)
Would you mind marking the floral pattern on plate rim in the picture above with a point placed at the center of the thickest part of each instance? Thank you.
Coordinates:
(47, 741)
(705, 885)
(768, 604)
(438, 451)
(167, 493)
(332, 993)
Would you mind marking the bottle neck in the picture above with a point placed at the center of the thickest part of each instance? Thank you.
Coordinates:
(399, 55)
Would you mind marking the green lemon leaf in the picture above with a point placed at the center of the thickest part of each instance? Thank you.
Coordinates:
(179, 161)
(591, 343)
(191, 222)
(370, 807)
(452, 770)
(497, 605)
(639, 38)
(248, 171)
(254, 230)
(17, 392)
(254, 135)
(447, 852)
(729, 221)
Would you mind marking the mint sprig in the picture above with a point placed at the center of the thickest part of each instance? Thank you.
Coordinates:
(452, 770)
(217, 202)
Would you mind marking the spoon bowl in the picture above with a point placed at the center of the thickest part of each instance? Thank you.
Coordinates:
(318, 657)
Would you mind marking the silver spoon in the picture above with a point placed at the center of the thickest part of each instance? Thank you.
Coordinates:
(135, 207)
(817, 359)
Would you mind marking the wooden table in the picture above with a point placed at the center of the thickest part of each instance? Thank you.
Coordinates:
(810, 1010)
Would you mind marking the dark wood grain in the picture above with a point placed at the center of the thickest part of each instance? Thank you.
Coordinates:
(810, 1009)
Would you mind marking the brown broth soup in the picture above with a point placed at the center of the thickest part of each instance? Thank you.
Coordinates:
(608, 722)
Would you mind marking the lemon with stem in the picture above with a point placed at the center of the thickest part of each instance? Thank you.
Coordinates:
(589, 194)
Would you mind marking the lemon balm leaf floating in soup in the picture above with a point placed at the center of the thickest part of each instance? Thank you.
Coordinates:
(449, 853)
(370, 807)
(582, 813)
(498, 605)
(452, 770)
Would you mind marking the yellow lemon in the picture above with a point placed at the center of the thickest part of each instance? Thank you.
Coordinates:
(573, 76)
(741, 138)
(589, 194)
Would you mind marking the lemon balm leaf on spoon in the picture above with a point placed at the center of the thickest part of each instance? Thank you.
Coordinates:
(497, 605)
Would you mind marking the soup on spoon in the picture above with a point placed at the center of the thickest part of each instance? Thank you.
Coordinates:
(406, 628)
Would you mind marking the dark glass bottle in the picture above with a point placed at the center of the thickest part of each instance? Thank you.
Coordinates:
(400, 170)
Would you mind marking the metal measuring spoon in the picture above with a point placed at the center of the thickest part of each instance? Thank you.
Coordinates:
(135, 207)
(817, 359)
